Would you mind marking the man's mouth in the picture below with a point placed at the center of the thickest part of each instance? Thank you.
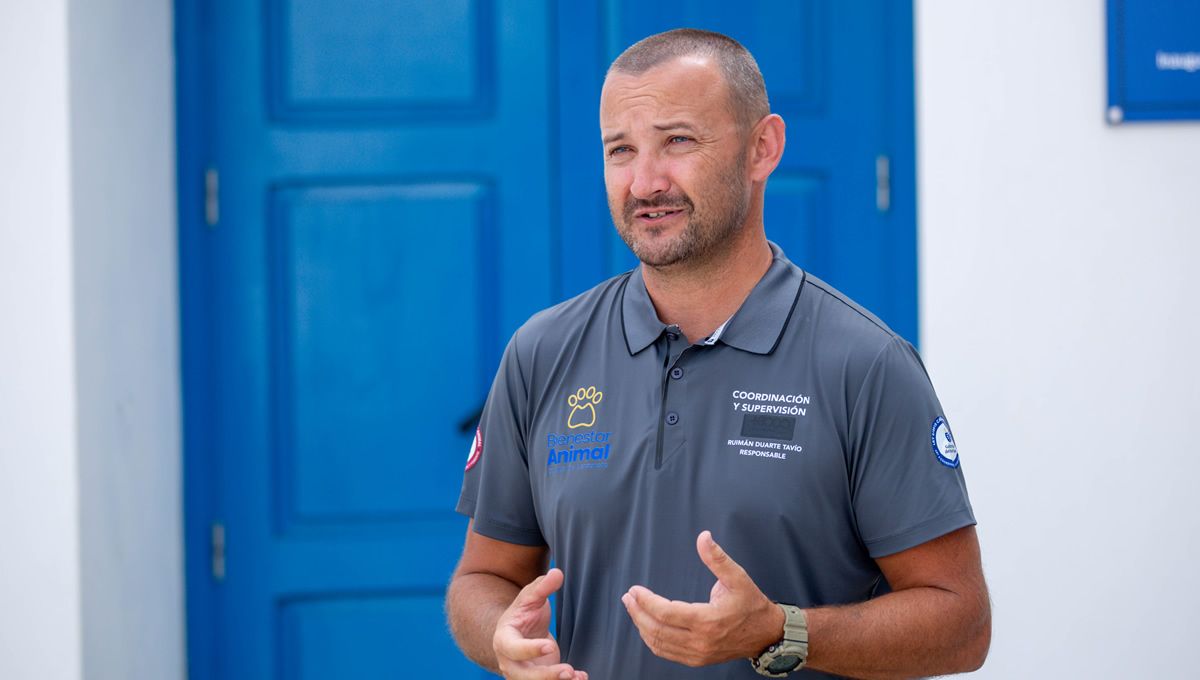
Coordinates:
(658, 214)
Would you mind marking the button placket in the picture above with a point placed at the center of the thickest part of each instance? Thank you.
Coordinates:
(674, 409)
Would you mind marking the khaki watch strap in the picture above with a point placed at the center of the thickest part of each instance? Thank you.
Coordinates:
(795, 626)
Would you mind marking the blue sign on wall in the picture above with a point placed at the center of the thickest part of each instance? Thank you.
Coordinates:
(1153, 60)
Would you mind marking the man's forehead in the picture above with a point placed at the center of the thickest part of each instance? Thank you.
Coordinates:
(682, 87)
(671, 75)
(688, 63)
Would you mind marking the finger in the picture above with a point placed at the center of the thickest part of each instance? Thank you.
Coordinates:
(656, 634)
(512, 645)
(719, 562)
(540, 588)
(670, 612)
(559, 671)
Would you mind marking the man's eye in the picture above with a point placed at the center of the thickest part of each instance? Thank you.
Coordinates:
(617, 150)
(680, 138)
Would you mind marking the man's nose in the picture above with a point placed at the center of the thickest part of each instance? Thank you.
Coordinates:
(649, 177)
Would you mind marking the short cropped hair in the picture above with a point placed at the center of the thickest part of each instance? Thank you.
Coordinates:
(747, 91)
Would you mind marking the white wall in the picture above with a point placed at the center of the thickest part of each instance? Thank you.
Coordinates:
(91, 572)
(39, 524)
(126, 315)
(1059, 301)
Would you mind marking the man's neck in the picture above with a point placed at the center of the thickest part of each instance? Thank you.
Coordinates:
(699, 297)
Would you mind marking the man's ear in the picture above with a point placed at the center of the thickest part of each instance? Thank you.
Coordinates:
(767, 140)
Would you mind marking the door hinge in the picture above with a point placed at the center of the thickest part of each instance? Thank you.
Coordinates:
(883, 183)
(218, 551)
(212, 197)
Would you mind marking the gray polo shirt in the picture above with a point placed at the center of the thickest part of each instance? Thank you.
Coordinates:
(806, 436)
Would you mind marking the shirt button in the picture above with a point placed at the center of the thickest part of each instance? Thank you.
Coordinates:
(677, 373)
(672, 418)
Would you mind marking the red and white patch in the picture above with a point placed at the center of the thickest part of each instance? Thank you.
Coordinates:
(476, 450)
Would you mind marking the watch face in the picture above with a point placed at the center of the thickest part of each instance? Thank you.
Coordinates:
(783, 664)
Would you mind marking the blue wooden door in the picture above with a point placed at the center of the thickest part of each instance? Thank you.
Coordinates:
(374, 194)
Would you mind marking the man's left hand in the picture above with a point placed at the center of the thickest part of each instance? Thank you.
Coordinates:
(738, 621)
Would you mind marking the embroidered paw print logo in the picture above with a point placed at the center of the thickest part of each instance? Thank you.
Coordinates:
(583, 407)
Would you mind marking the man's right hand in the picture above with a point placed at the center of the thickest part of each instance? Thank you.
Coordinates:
(523, 646)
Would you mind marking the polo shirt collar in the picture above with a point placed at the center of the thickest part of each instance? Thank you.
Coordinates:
(755, 327)
(638, 316)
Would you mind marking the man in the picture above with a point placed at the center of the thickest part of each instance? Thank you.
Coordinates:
(715, 393)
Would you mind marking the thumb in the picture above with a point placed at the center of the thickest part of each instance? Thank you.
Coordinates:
(541, 588)
(719, 562)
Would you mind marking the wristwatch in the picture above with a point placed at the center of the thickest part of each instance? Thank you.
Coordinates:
(789, 654)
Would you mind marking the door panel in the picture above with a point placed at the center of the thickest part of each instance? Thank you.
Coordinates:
(356, 637)
(401, 184)
(357, 309)
(334, 60)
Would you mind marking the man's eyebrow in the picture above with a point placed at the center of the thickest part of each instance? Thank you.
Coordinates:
(613, 136)
(675, 125)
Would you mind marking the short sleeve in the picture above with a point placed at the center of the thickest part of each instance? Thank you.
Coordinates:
(907, 484)
(496, 490)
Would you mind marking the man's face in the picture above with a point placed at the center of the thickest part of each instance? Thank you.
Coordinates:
(674, 161)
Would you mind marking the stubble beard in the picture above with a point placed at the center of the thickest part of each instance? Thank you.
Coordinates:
(705, 233)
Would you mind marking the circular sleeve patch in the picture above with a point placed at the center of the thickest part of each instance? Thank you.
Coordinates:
(943, 443)
(476, 450)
